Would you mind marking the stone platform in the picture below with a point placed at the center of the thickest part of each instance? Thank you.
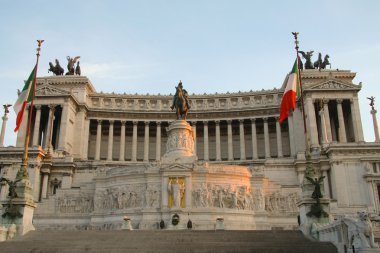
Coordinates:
(165, 241)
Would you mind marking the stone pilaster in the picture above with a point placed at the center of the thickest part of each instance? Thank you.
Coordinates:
(45, 180)
(229, 141)
(146, 142)
(188, 191)
(164, 192)
(205, 141)
(86, 136)
(354, 120)
(98, 140)
(242, 140)
(194, 126)
(122, 141)
(342, 128)
(291, 135)
(217, 140)
(312, 123)
(158, 141)
(63, 126)
(36, 130)
(110, 141)
(254, 139)
(266, 138)
(279, 138)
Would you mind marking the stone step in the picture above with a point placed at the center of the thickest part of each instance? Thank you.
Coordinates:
(164, 241)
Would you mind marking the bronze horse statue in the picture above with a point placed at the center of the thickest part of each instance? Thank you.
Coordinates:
(180, 102)
(57, 69)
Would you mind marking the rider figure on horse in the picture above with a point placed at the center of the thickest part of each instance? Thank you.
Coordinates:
(181, 96)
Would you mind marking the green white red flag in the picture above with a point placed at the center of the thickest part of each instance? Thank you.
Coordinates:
(292, 91)
(25, 96)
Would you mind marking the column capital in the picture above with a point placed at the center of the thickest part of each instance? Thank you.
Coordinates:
(253, 120)
(111, 121)
(135, 122)
(146, 123)
(123, 122)
(193, 123)
(241, 121)
(205, 122)
(158, 123)
(229, 121)
(265, 119)
(351, 100)
(100, 121)
(339, 100)
(277, 119)
(38, 107)
(325, 101)
(51, 107)
(217, 122)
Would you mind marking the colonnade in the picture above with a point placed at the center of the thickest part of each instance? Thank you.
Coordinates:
(342, 125)
(205, 142)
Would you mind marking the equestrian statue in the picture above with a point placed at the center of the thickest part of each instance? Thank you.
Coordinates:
(181, 102)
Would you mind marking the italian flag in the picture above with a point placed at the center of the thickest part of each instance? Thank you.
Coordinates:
(292, 91)
(25, 96)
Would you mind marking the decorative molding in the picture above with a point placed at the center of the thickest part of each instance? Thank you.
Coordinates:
(48, 90)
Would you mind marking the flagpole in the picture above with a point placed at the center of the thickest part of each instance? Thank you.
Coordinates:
(295, 34)
(23, 172)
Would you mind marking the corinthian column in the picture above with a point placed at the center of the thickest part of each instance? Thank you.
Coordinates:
(230, 147)
(49, 126)
(266, 138)
(110, 141)
(279, 138)
(342, 128)
(254, 139)
(242, 140)
(158, 141)
(217, 140)
(134, 141)
(36, 130)
(205, 140)
(327, 119)
(122, 141)
(375, 126)
(146, 142)
(98, 140)
(4, 125)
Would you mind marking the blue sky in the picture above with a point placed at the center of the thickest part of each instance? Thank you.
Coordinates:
(211, 45)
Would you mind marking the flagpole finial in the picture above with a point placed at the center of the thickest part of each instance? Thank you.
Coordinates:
(295, 34)
(39, 46)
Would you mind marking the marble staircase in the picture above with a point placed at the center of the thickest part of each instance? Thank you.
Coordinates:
(167, 241)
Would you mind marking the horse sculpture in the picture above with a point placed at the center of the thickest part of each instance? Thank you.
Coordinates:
(180, 102)
(325, 62)
(57, 69)
(318, 63)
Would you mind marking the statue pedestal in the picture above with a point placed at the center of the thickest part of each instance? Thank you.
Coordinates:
(19, 211)
(180, 144)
